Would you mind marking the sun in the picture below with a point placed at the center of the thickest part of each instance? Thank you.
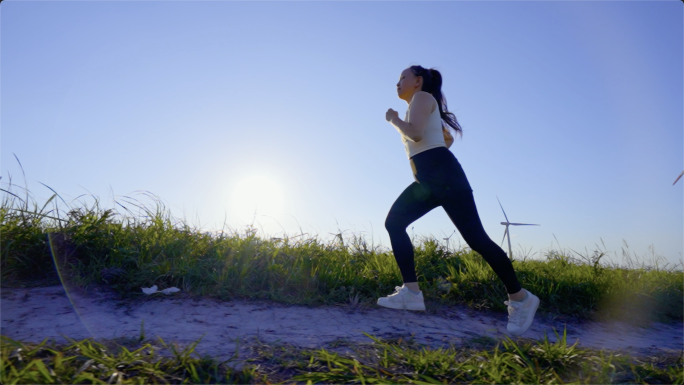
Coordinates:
(258, 194)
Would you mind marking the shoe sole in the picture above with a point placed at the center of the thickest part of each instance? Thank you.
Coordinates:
(399, 306)
(527, 325)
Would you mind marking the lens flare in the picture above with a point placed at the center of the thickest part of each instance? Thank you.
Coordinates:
(62, 255)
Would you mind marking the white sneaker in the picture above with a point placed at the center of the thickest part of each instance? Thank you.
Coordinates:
(521, 314)
(402, 298)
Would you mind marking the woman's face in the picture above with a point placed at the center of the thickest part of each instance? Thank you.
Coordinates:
(408, 84)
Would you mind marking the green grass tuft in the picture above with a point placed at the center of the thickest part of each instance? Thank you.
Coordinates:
(380, 361)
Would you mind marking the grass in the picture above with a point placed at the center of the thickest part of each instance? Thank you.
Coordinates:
(135, 245)
(379, 361)
(83, 244)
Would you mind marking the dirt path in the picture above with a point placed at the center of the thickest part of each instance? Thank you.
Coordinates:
(48, 312)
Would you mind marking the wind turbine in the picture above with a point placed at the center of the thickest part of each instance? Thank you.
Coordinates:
(507, 223)
(680, 175)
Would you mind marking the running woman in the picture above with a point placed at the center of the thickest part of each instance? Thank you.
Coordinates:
(440, 181)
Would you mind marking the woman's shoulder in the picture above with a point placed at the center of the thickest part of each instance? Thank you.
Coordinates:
(423, 94)
(426, 97)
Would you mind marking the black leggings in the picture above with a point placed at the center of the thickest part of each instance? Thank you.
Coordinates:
(440, 181)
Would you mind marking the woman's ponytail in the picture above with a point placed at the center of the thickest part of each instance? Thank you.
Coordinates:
(436, 78)
(432, 83)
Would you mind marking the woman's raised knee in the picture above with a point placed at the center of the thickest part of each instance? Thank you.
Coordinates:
(393, 224)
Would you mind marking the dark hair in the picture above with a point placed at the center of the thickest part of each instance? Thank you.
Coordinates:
(432, 83)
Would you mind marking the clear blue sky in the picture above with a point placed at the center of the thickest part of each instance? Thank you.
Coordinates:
(572, 113)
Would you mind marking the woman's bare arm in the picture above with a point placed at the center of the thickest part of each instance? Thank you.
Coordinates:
(419, 113)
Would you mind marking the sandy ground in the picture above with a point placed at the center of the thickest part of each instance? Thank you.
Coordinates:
(32, 315)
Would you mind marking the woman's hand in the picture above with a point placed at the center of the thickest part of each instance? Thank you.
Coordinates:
(391, 114)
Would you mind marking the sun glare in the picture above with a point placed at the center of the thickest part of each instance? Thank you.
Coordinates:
(258, 194)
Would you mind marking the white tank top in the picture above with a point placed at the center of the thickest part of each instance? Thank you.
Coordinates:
(432, 137)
